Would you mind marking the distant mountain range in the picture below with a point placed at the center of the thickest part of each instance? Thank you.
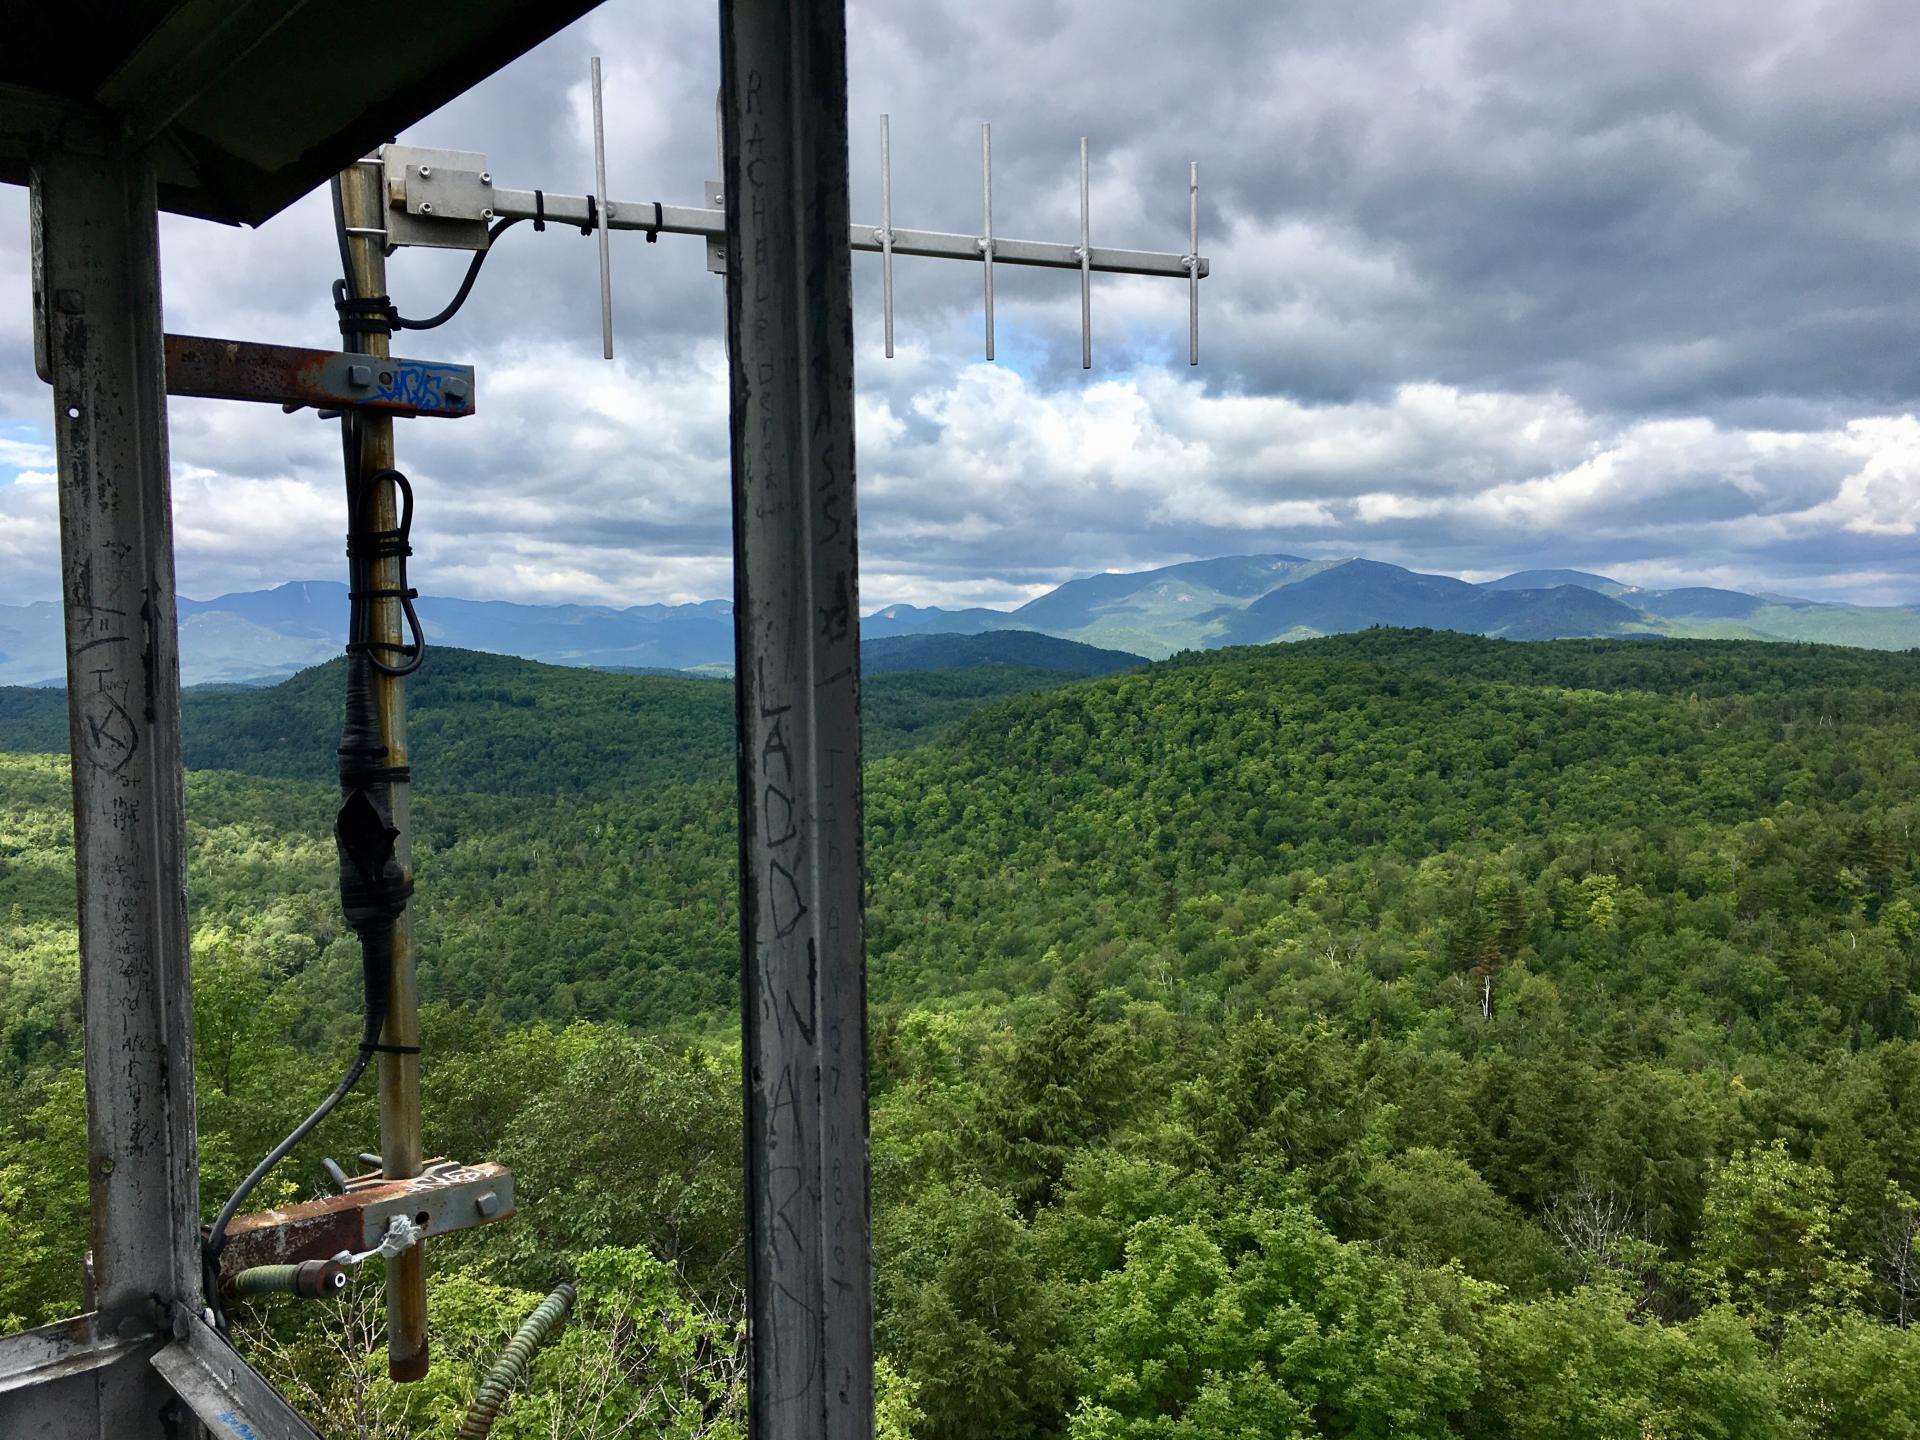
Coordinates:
(263, 635)
(1256, 599)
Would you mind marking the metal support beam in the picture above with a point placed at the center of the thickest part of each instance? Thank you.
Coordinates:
(326, 379)
(401, 1146)
(796, 616)
(228, 1396)
(97, 299)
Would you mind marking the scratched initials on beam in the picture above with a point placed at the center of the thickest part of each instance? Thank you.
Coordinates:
(789, 320)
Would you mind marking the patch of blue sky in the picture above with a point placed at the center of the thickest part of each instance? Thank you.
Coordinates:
(23, 447)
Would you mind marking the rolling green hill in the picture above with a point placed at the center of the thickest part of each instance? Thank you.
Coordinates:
(497, 725)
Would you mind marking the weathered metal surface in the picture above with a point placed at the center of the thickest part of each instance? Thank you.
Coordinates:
(450, 1197)
(790, 333)
(54, 1352)
(401, 1146)
(97, 300)
(98, 277)
(438, 198)
(324, 379)
(231, 1399)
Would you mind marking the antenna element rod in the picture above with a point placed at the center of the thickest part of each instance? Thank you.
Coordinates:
(600, 184)
(1086, 269)
(886, 229)
(986, 239)
(1193, 263)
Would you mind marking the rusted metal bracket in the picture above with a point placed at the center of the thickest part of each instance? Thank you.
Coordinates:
(325, 379)
(446, 1196)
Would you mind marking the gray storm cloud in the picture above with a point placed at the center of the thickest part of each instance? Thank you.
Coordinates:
(1622, 286)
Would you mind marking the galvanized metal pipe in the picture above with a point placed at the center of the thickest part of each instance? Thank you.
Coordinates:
(401, 1152)
(796, 619)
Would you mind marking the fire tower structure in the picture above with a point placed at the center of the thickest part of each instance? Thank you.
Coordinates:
(230, 110)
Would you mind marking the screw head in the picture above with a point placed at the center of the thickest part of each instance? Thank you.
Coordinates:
(486, 177)
(425, 171)
(486, 212)
(488, 1205)
(426, 207)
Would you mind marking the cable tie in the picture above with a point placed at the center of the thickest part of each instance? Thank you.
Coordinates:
(539, 209)
(653, 235)
(593, 217)
(372, 1049)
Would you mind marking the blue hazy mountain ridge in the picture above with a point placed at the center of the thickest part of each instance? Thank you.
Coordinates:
(898, 654)
(1080, 603)
(931, 619)
(1365, 593)
(1703, 601)
(1553, 579)
(264, 635)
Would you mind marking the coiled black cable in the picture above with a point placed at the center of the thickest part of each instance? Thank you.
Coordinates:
(400, 322)
(397, 321)
(364, 547)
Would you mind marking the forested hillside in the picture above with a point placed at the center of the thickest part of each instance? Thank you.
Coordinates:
(494, 724)
(1399, 1034)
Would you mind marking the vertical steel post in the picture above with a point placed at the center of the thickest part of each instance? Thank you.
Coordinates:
(796, 616)
(96, 262)
(401, 1155)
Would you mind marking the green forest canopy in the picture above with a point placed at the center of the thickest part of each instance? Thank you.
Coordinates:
(1402, 1033)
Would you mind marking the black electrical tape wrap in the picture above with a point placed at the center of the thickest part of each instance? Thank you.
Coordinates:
(360, 317)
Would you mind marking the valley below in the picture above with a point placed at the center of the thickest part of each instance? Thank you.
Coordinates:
(1402, 1032)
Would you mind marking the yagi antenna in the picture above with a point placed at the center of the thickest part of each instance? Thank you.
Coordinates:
(446, 199)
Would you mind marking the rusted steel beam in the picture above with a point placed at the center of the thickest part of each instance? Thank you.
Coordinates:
(324, 379)
(450, 1197)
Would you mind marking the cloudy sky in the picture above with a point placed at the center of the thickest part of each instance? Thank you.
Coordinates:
(1628, 286)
